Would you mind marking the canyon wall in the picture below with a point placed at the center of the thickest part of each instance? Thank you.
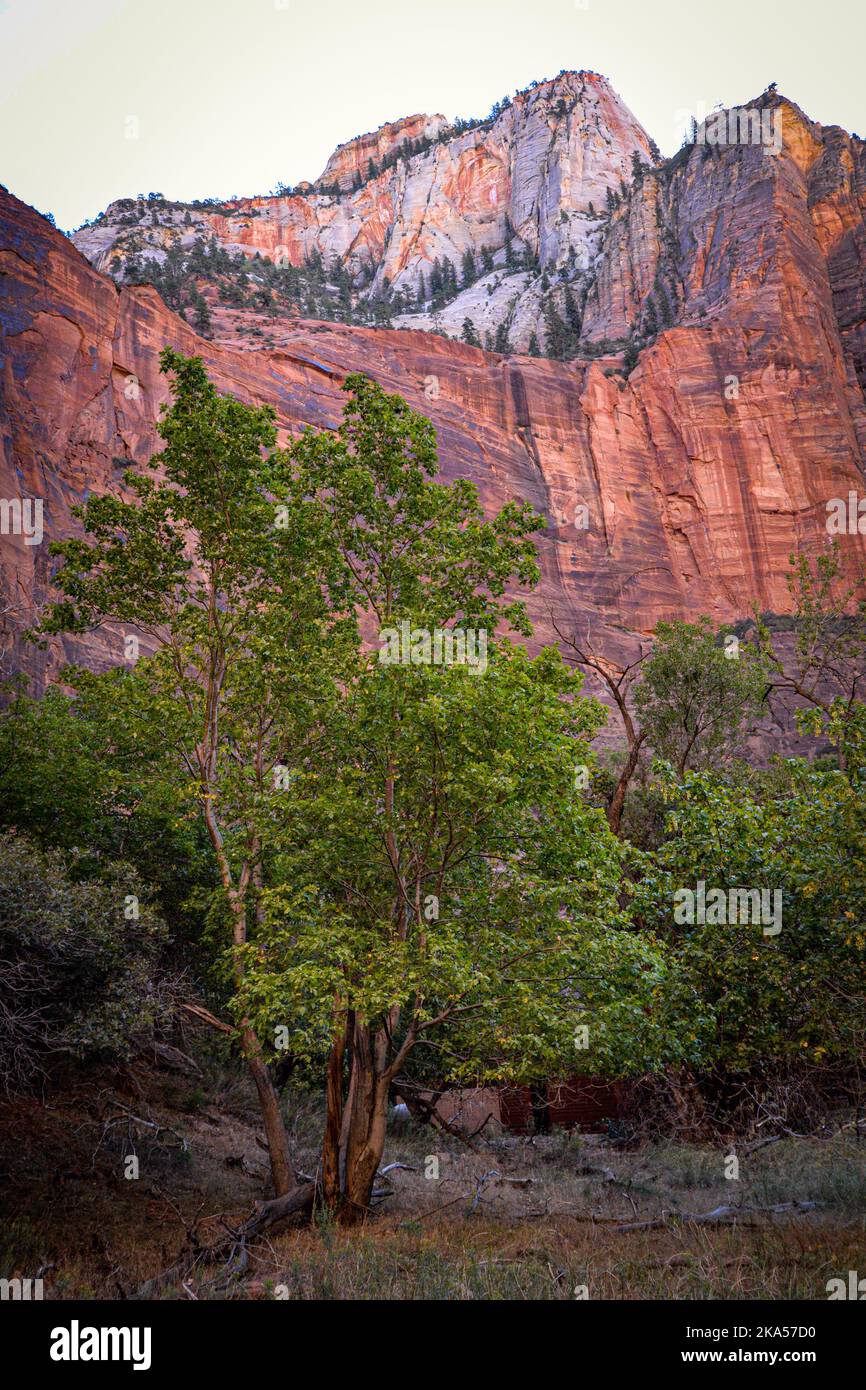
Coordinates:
(542, 169)
(712, 406)
(664, 497)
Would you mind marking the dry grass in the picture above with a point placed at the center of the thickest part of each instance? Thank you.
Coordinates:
(463, 1233)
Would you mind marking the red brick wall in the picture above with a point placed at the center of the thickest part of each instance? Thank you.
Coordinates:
(584, 1101)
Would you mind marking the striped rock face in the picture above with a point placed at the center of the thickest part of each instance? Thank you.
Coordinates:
(673, 485)
(541, 169)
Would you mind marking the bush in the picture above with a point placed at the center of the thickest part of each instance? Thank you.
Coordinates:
(79, 776)
(78, 977)
(797, 994)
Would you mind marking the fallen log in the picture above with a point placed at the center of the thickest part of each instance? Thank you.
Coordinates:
(717, 1215)
(173, 1059)
(294, 1208)
(762, 1144)
(590, 1170)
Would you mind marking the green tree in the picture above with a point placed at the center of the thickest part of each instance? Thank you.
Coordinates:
(630, 356)
(689, 699)
(826, 668)
(437, 283)
(202, 321)
(555, 331)
(403, 856)
(650, 319)
(697, 692)
(99, 788)
(469, 333)
(441, 878)
(195, 567)
(572, 313)
(469, 270)
(509, 242)
(449, 895)
(665, 311)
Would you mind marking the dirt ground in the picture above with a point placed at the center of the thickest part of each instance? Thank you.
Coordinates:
(556, 1217)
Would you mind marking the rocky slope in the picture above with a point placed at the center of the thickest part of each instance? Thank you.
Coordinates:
(528, 185)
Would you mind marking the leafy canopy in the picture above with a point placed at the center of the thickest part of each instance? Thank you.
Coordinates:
(695, 695)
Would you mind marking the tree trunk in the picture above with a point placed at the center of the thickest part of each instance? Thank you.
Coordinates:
(367, 1123)
(296, 1206)
(364, 1157)
(540, 1106)
(282, 1172)
(615, 809)
(331, 1175)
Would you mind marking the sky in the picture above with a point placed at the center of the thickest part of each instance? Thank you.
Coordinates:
(105, 99)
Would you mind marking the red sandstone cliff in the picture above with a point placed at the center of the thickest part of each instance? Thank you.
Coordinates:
(693, 493)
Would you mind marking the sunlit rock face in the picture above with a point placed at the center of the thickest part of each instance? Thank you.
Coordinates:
(537, 176)
(714, 409)
(351, 160)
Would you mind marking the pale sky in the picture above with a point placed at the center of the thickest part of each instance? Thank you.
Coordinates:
(103, 99)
